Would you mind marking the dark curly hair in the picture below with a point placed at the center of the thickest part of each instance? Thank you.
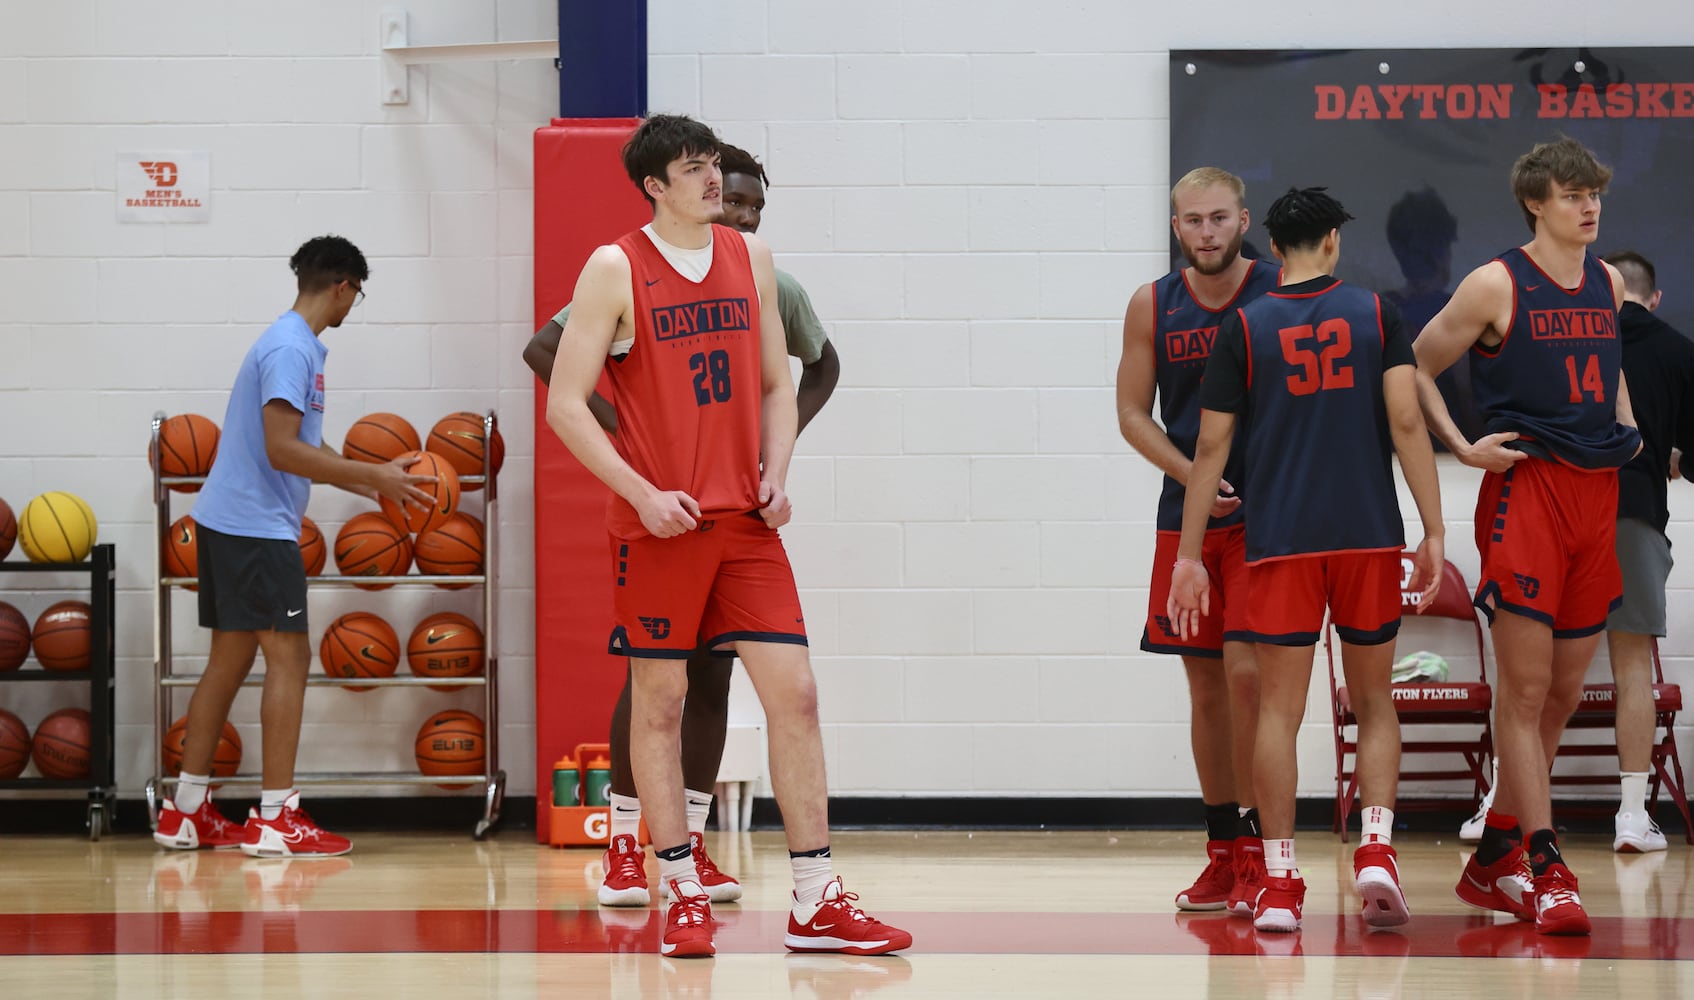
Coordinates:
(324, 260)
(735, 160)
(1301, 218)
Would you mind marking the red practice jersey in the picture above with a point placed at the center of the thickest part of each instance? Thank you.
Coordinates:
(688, 393)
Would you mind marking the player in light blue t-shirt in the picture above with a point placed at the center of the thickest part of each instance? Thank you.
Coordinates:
(251, 577)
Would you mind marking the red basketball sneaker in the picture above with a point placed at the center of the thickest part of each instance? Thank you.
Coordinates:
(838, 925)
(1211, 890)
(1377, 875)
(626, 874)
(1249, 876)
(1280, 904)
(204, 827)
(291, 835)
(1558, 909)
(688, 926)
(720, 888)
(1504, 885)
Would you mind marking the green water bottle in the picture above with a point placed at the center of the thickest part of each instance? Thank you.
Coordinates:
(564, 783)
(597, 782)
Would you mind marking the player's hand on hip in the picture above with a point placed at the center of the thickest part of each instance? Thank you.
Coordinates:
(1190, 597)
(1490, 452)
(1427, 568)
(1226, 501)
(394, 482)
(774, 505)
(668, 513)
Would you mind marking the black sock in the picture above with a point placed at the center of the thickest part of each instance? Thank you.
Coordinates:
(1248, 824)
(1544, 851)
(675, 853)
(1497, 843)
(1221, 821)
(822, 852)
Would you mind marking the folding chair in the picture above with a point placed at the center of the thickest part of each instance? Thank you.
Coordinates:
(1453, 705)
(1598, 711)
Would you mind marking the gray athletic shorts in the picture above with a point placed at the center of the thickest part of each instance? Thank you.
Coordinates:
(250, 584)
(1644, 558)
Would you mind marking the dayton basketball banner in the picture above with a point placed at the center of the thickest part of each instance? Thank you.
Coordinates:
(1419, 145)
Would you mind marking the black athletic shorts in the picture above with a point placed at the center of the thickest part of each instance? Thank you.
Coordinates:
(250, 584)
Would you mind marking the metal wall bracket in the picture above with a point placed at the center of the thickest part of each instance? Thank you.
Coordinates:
(397, 55)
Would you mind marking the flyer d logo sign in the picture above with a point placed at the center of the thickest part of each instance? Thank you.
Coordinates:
(162, 172)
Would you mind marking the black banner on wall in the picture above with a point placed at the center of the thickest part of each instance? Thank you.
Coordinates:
(1419, 145)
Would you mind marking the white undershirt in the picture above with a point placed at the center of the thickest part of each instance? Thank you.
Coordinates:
(691, 264)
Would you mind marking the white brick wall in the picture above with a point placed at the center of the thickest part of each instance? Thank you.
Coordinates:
(970, 189)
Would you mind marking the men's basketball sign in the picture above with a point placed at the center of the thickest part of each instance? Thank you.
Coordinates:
(164, 187)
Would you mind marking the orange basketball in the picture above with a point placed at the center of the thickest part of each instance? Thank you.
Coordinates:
(379, 437)
(189, 443)
(62, 636)
(370, 545)
(8, 529)
(61, 744)
(312, 549)
(14, 638)
(454, 549)
(445, 488)
(359, 644)
(226, 758)
(458, 437)
(445, 645)
(179, 553)
(450, 742)
(14, 746)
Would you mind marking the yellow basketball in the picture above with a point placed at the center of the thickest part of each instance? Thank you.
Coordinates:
(57, 528)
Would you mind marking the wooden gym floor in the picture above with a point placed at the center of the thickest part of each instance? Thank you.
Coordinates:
(1074, 914)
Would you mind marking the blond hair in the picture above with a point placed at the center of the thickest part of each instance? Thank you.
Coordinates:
(1205, 177)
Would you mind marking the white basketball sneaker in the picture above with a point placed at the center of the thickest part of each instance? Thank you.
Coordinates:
(1637, 834)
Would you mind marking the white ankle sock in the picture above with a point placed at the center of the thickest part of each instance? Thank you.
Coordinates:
(1634, 799)
(626, 815)
(191, 791)
(271, 801)
(1279, 858)
(699, 806)
(1376, 825)
(812, 874)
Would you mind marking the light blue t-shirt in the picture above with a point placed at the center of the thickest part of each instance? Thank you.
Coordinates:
(245, 495)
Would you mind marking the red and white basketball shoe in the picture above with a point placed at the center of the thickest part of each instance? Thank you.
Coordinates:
(1504, 885)
(626, 874)
(1211, 890)
(1280, 904)
(1377, 875)
(838, 925)
(720, 888)
(291, 835)
(1249, 876)
(1558, 909)
(688, 925)
(204, 827)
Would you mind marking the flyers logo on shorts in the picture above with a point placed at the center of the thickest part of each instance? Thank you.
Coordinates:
(1164, 624)
(658, 628)
(1529, 585)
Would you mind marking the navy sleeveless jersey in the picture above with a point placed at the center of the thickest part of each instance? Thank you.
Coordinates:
(1315, 427)
(1554, 378)
(1183, 332)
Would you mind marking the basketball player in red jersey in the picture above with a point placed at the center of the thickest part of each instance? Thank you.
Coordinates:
(1539, 326)
(706, 427)
(1168, 331)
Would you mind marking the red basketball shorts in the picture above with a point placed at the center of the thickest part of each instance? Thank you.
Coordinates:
(1225, 555)
(1286, 598)
(1548, 538)
(726, 581)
